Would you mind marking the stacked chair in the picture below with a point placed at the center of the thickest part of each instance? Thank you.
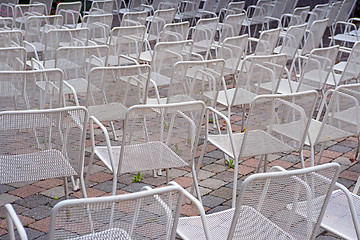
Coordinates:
(163, 77)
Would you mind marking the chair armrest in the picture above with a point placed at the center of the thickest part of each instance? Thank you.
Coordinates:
(13, 219)
(33, 47)
(156, 90)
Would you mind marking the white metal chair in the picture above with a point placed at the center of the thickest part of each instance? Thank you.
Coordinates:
(187, 11)
(126, 45)
(11, 38)
(70, 12)
(42, 144)
(99, 7)
(12, 58)
(266, 43)
(267, 207)
(175, 32)
(255, 15)
(163, 205)
(157, 22)
(314, 37)
(275, 124)
(231, 26)
(47, 3)
(22, 11)
(134, 19)
(341, 118)
(346, 9)
(194, 80)
(6, 23)
(297, 17)
(153, 137)
(332, 15)
(23, 90)
(112, 90)
(99, 25)
(346, 33)
(319, 12)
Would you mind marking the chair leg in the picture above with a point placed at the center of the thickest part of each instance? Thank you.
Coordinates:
(197, 170)
(66, 188)
(302, 159)
(259, 163)
(265, 162)
(321, 152)
(88, 172)
(312, 155)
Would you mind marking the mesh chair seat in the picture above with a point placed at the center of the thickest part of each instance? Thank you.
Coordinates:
(258, 143)
(108, 112)
(142, 157)
(146, 56)
(250, 224)
(160, 79)
(25, 167)
(114, 233)
(242, 96)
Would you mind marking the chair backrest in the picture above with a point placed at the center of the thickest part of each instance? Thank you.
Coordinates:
(127, 41)
(204, 33)
(290, 6)
(37, 26)
(208, 6)
(6, 23)
(267, 42)
(22, 11)
(317, 68)
(333, 12)
(279, 123)
(165, 55)
(314, 36)
(342, 116)
(121, 216)
(12, 59)
(99, 7)
(318, 13)
(70, 12)
(112, 86)
(352, 67)
(76, 62)
(134, 19)
(235, 8)
(268, 203)
(13, 38)
(99, 25)
(196, 80)
(221, 4)
(39, 89)
(175, 32)
(47, 3)
(166, 4)
(158, 21)
(292, 40)
(232, 50)
(231, 26)
(345, 10)
(39, 141)
(277, 8)
(162, 131)
(257, 71)
(299, 15)
(136, 5)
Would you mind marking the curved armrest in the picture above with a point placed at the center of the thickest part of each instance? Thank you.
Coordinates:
(13, 219)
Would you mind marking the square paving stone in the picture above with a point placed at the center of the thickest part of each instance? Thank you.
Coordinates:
(56, 192)
(215, 154)
(34, 201)
(38, 213)
(107, 186)
(218, 209)
(7, 198)
(134, 187)
(223, 192)
(212, 201)
(215, 168)
(202, 174)
(32, 234)
(291, 158)
(212, 183)
(5, 188)
(239, 182)
(346, 182)
(339, 148)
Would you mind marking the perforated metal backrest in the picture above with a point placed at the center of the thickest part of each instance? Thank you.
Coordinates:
(150, 214)
(162, 131)
(76, 62)
(40, 141)
(127, 41)
(37, 26)
(314, 36)
(99, 25)
(299, 15)
(6, 23)
(204, 33)
(11, 38)
(333, 12)
(158, 21)
(232, 50)
(318, 13)
(231, 26)
(47, 3)
(317, 68)
(134, 19)
(21, 10)
(268, 202)
(32, 89)
(292, 40)
(235, 7)
(267, 42)
(257, 71)
(70, 12)
(290, 6)
(196, 80)
(12, 58)
(101, 7)
(220, 5)
(352, 67)
(345, 10)
(175, 32)
(127, 85)
(278, 8)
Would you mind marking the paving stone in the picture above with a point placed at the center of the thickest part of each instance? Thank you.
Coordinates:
(125, 178)
(175, 173)
(225, 176)
(100, 177)
(26, 191)
(223, 192)
(212, 183)
(107, 186)
(349, 175)
(42, 225)
(191, 210)
(38, 213)
(207, 160)
(339, 148)
(55, 192)
(238, 185)
(20, 184)
(212, 201)
(218, 209)
(185, 182)
(203, 191)
(202, 174)
(49, 183)
(215, 168)
(343, 161)
(355, 168)
(5, 188)
(281, 163)
(32, 234)
(155, 181)
(215, 154)
(348, 143)
(291, 158)
(243, 170)
(346, 182)
(7, 198)
(91, 192)
(134, 187)
(34, 201)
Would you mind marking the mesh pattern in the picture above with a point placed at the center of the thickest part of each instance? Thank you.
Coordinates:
(315, 35)
(23, 10)
(352, 70)
(99, 26)
(101, 7)
(36, 26)
(170, 129)
(196, 80)
(317, 68)
(267, 42)
(10, 39)
(40, 144)
(231, 26)
(149, 217)
(70, 13)
(283, 120)
(116, 86)
(12, 59)
(134, 19)
(30, 89)
(292, 40)
(318, 13)
(6, 23)
(158, 21)
(299, 16)
(275, 200)
(204, 34)
(175, 32)
(127, 41)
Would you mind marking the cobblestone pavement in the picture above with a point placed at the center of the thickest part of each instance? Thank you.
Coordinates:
(33, 201)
